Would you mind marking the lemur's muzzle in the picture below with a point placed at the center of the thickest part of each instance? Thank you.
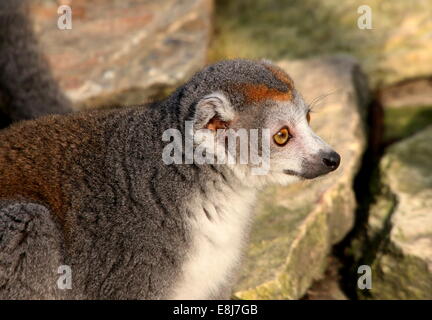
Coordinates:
(321, 163)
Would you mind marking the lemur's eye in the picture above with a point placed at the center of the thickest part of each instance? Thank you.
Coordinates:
(308, 117)
(282, 136)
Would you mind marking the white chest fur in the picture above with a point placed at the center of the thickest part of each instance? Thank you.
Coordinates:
(219, 225)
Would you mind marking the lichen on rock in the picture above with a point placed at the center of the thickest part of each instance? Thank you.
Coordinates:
(399, 229)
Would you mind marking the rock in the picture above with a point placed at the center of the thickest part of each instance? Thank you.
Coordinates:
(296, 226)
(328, 288)
(406, 52)
(403, 122)
(400, 222)
(413, 93)
(407, 108)
(124, 52)
(397, 48)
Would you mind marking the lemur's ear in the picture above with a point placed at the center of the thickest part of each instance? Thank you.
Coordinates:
(213, 112)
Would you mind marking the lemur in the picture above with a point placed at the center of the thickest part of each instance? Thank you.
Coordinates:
(90, 190)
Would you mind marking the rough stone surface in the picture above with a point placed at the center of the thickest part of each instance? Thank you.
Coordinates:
(296, 226)
(402, 122)
(413, 93)
(400, 222)
(123, 52)
(328, 288)
(406, 28)
(407, 108)
(398, 47)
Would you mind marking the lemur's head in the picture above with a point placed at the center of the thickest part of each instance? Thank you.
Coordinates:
(244, 94)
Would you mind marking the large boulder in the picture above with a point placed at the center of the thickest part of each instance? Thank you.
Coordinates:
(407, 108)
(397, 48)
(297, 225)
(124, 52)
(399, 229)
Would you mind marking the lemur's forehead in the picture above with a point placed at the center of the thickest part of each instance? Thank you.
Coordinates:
(258, 92)
(244, 82)
(280, 75)
(261, 92)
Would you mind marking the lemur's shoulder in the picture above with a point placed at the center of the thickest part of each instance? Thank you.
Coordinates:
(59, 126)
(37, 156)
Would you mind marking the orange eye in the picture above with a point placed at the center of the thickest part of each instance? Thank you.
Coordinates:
(282, 137)
(308, 117)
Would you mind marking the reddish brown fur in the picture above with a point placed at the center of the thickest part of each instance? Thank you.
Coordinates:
(215, 124)
(261, 92)
(35, 158)
(281, 75)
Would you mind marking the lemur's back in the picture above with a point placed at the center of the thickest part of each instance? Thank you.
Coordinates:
(35, 171)
(72, 175)
(33, 151)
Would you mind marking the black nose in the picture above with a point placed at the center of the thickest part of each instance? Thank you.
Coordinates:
(331, 160)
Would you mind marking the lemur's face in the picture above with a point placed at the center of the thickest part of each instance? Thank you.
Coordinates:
(263, 97)
(295, 150)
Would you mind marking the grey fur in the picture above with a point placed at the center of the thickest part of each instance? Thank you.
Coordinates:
(30, 252)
